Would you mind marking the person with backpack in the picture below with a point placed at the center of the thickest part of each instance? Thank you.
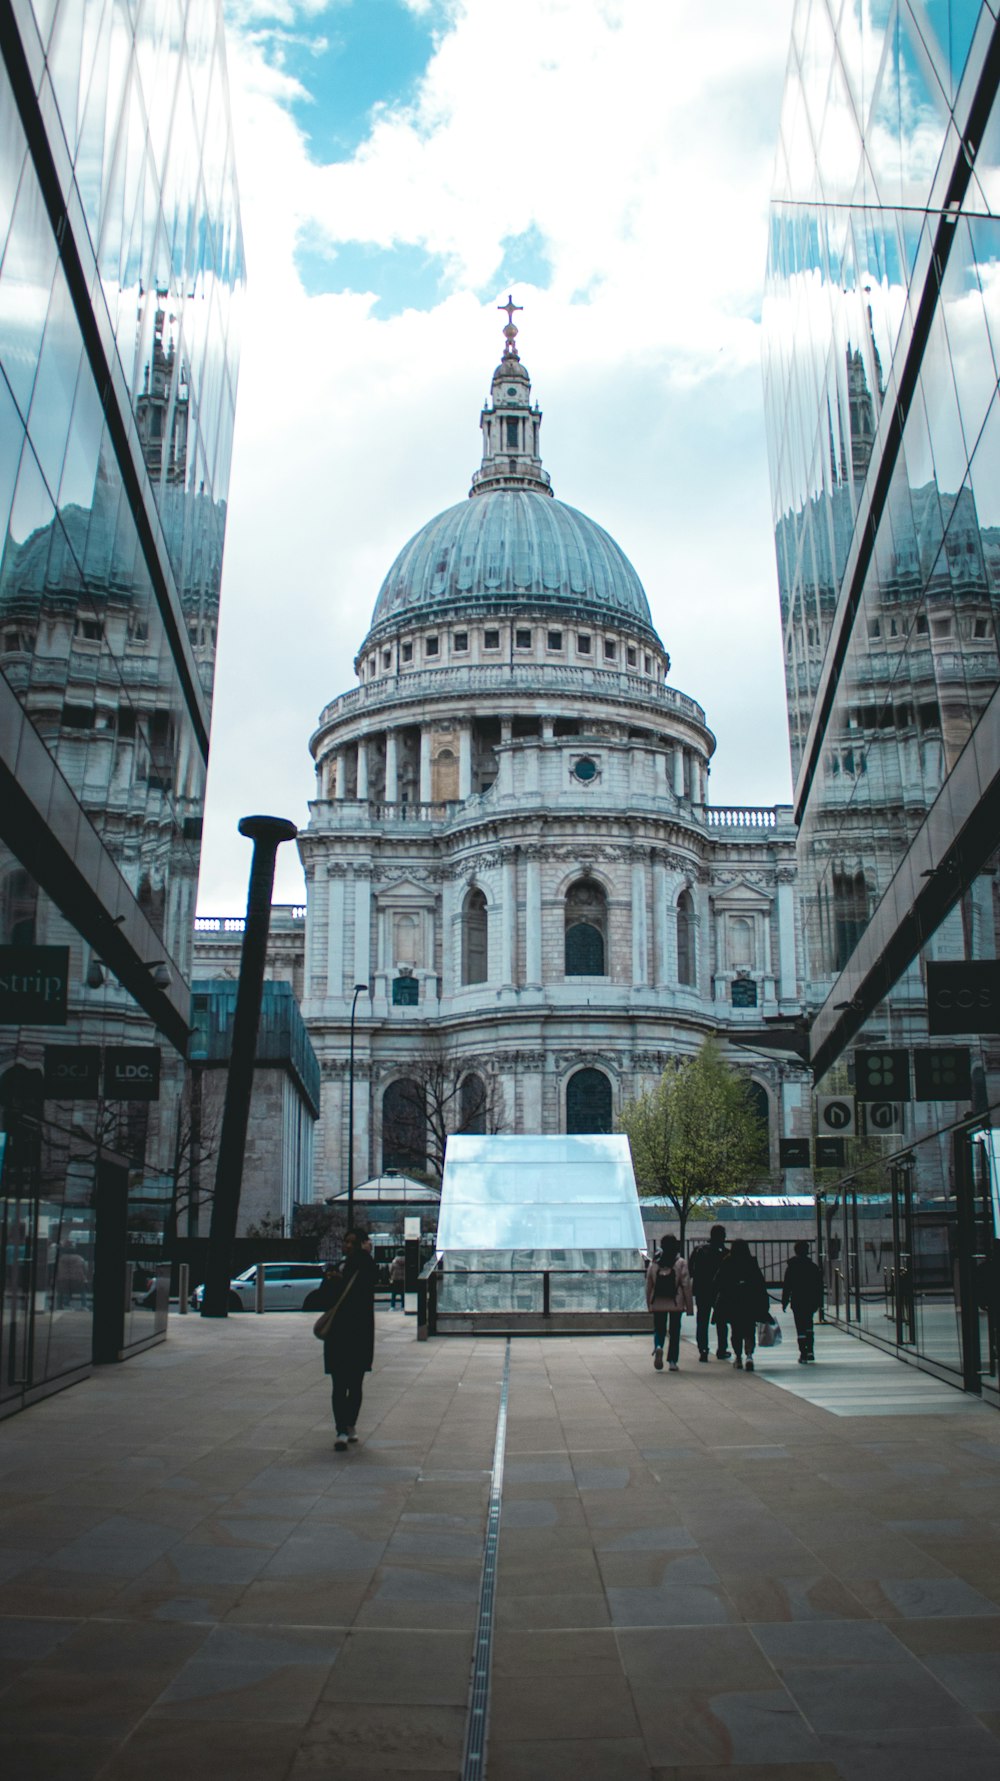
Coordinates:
(741, 1298)
(802, 1288)
(668, 1296)
(705, 1264)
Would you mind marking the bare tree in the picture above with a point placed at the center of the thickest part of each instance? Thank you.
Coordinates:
(441, 1094)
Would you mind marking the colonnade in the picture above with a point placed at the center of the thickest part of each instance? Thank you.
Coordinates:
(683, 768)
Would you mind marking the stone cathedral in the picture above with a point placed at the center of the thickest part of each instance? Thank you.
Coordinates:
(514, 875)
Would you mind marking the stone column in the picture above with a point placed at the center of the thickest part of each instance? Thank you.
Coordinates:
(786, 937)
(465, 761)
(340, 790)
(391, 768)
(425, 765)
(362, 788)
(362, 929)
(533, 922)
(703, 935)
(660, 959)
(505, 764)
(317, 903)
(678, 772)
(640, 935)
(335, 935)
(508, 919)
(696, 793)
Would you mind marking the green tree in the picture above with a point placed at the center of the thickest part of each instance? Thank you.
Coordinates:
(696, 1135)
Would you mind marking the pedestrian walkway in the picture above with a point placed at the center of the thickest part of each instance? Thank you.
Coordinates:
(697, 1572)
(855, 1378)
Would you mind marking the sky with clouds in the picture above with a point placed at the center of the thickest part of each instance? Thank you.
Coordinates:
(402, 165)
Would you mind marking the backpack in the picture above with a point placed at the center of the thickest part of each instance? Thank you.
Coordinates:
(662, 1274)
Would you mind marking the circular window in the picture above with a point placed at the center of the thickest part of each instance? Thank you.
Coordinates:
(511, 390)
(585, 769)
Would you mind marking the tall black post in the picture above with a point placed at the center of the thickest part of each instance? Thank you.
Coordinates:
(360, 989)
(267, 833)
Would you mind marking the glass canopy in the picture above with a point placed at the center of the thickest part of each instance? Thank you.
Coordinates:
(534, 1193)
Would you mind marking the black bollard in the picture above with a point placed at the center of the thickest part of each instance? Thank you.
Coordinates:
(267, 833)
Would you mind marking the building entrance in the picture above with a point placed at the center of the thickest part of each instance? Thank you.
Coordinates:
(917, 1267)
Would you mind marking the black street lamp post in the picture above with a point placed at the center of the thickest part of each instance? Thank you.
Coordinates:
(267, 833)
(360, 989)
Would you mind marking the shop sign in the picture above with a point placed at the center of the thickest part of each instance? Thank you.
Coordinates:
(793, 1153)
(882, 1075)
(963, 997)
(942, 1073)
(831, 1153)
(132, 1073)
(883, 1118)
(835, 1115)
(72, 1072)
(33, 984)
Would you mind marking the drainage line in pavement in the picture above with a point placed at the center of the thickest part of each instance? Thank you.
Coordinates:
(474, 1758)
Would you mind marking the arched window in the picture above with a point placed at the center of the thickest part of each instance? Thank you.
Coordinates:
(685, 939)
(404, 1126)
(588, 1102)
(445, 776)
(850, 914)
(740, 941)
(474, 937)
(405, 936)
(586, 930)
(760, 1102)
(472, 1101)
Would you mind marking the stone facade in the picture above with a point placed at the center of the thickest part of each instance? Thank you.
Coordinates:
(511, 846)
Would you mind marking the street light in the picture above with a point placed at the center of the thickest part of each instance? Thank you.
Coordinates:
(360, 989)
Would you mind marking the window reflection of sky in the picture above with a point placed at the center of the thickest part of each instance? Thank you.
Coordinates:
(535, 1193)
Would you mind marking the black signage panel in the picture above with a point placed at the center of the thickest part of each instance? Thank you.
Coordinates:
(942, 1073)
(793, 1153)
(882, 1075)
(132, 1073)
(33, 985)
(744, 992)
(882, 1118)
(963, 997)
(72, 1072)
(831, 1153)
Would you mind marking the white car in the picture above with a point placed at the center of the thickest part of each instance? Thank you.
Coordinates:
(286, 1286)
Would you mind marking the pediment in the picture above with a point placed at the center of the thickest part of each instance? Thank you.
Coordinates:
(405, 893)
(741, 898)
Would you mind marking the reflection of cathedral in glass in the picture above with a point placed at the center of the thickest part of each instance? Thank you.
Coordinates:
(882, 343)
(118, 359)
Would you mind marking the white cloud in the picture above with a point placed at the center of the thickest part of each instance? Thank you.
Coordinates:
(637, 140)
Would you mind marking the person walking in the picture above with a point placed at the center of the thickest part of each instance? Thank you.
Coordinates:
(668, 1296)
(705, 1264)
(349, 1343)
(741, 1298)
(802, 1288)
(397, 1274)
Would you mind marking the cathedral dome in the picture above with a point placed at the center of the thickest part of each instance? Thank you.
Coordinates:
(511, 544)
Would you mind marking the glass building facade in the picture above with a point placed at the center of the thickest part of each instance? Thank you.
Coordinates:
(882, 348)
(121, 273)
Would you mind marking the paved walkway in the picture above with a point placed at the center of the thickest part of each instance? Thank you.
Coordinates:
(697, 1572)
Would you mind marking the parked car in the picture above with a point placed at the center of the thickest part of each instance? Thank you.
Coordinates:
(286, 1286)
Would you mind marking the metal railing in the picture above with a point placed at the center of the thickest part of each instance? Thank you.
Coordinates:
(433, 1277)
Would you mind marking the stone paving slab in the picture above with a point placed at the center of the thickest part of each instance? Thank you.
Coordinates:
(791, 1574)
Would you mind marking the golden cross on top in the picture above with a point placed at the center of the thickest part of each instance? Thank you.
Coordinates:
(511, 308)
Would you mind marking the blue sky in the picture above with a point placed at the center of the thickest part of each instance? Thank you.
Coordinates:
(402, 165)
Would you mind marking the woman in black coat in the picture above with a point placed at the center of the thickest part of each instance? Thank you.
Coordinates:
(349, 1344)
(741, 1298)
